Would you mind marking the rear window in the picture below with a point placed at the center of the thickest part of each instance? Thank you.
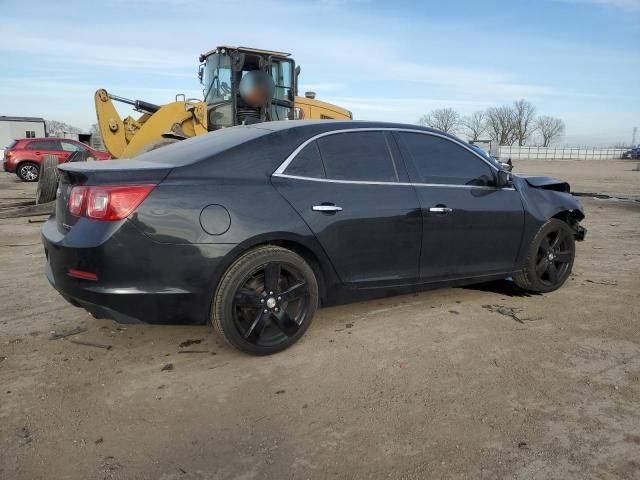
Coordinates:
(12, 144)
(195, 149)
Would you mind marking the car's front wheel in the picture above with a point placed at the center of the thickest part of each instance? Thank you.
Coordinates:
(550, 258)
(28, 171)
(265, 301)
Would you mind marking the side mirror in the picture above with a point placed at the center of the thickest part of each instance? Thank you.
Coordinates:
(201, 73)
(502, 179)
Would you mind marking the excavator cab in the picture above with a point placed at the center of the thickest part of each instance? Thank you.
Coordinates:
(245, 85)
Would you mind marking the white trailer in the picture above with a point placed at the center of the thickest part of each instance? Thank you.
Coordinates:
(12, 128)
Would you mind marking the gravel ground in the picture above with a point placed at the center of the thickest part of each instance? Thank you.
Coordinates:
(478, 382)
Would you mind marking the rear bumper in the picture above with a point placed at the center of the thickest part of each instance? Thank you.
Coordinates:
(7, 166)
(139, 280)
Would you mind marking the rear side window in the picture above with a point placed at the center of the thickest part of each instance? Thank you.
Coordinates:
(362, 156)
(44, 145)
(307, 163)
(442, 161)
(12, 144)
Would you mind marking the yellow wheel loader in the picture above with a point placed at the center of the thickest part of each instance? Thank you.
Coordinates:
(241, 86)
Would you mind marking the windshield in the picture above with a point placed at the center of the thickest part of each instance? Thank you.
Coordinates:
(486, 156)
(217, 79)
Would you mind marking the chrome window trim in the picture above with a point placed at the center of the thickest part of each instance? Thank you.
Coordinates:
(283, 166)
(404, 184)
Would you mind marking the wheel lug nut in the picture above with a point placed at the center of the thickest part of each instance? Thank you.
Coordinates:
(270, 293)
(276, 309)
(279, 298)
(262, 300)
(265, 310)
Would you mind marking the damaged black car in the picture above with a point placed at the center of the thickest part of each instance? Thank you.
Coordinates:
(252, 228)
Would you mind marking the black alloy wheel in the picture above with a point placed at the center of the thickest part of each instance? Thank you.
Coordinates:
(554, 257)
(271, 305)
(265, 301)
(550, 258)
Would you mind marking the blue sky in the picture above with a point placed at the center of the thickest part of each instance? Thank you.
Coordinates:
(575, 59)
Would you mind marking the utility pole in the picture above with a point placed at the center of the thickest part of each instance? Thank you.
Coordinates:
(633, 138)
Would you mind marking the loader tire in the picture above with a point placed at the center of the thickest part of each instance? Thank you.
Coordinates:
(163, 142)
(48, 180)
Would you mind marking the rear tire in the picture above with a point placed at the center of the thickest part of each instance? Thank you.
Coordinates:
(28, 171)
(48, 180)
(265, 301)
(550, 258)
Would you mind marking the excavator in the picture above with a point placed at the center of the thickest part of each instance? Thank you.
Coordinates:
(241, 86)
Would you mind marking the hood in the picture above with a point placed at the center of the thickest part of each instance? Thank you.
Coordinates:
(547, 183)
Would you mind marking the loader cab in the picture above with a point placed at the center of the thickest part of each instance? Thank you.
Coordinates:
(243, 86)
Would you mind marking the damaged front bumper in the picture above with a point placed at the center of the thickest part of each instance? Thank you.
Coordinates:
(579, 233)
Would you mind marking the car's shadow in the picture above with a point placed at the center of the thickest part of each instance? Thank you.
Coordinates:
(502, 287)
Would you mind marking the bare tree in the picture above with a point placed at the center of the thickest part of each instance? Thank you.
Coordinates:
(501, 124)
(475, 125)
(525, 117)
(56, 128)
(445, 119)
(550, 128)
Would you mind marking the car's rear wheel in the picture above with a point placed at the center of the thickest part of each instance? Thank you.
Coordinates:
(265, 300)
(28, 171)
(550, 258)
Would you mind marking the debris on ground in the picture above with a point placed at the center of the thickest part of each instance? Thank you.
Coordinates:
(511, 312)
(25, 434)
(167, 367)
(188, 343)
(74, 331)
(196, 351)
(91, 344)
(602, 282)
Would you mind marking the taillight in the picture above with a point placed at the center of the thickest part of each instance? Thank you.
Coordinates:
(76, 200)
(108, 203)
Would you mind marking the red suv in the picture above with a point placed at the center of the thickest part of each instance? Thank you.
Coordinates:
(24, 157)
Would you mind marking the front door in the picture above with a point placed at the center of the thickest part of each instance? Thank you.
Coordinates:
(347, 188)
(471, 227)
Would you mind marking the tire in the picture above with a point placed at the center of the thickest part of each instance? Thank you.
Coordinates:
(28, 171)
(163, 142)
(260, 320)
(48, 180)
(550, 258)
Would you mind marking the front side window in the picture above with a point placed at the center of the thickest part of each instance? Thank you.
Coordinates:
(360, 156)
(307, 163)
(71, 147)
(217, 78)
(442, 161)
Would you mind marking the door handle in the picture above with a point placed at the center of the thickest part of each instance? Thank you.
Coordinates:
(325, 208)
(443, 210)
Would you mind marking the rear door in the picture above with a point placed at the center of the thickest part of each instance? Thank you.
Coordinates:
(351, 189)
(46, 147)
(471, 227)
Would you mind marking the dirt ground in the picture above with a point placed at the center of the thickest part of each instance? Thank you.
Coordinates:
(475, 382)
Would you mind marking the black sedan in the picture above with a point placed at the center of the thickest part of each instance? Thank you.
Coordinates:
(251, 228)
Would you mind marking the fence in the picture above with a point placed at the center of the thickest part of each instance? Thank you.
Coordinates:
(558, 153)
